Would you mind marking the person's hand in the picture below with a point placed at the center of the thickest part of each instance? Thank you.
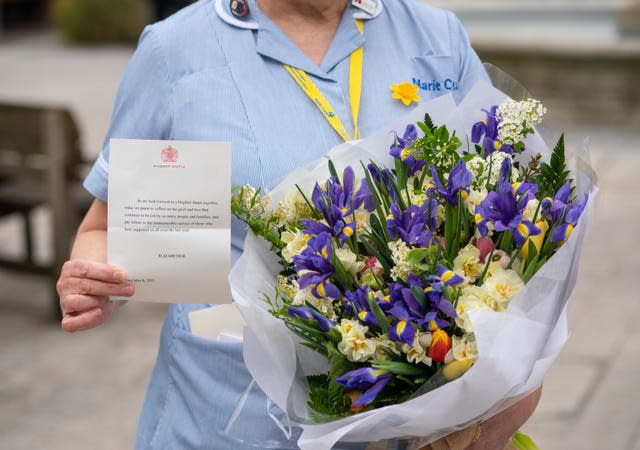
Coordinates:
(494, 433)
(84, 288)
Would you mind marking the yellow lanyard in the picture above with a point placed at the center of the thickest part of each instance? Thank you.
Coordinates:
(316, 96)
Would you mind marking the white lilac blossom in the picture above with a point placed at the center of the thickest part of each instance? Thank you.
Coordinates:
(516, 117)
(400, 255)
(250, 198)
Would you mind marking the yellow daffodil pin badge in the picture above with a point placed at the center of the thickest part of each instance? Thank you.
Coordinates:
(405, 92)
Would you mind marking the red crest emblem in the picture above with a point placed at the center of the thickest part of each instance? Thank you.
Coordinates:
(169, 154)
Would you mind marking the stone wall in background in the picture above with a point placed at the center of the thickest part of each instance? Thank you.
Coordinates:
(581, 58)
(588, 87)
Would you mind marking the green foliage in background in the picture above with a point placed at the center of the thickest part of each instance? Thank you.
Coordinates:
(96, 21)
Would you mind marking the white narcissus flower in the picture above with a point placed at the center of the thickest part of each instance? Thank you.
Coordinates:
(383, 346)
(362, 220)
(302, 296)
(530, 210)
(354, 344)
(296, 243)
(503, 284)
(414, 198)
(464, 347)
(474, 199)
(292, 208)
(467, 264)
(417, 351)
(349, 260)
(472, 298)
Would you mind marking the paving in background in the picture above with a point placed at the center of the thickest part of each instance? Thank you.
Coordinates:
(67, 392)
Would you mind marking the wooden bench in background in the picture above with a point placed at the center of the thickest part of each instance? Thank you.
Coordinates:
(41, 164)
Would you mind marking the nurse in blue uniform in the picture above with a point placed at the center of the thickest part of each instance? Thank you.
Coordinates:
(232, 71)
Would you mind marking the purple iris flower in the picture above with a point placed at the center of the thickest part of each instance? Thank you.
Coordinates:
(358, 305)
(315, 260)
(336, 203)
(505, 170)
(404, 304)
(363, 378)
(554, 208)
(386, 180)
(343, 195)
(459, 180)
(408, 309)
(363, 196)
(400, 144)
(432, 322)
(570, 220)
(433, 288)
(489, 129)
(310, 314)
(411, 225)
(447, 276)
(402, 331)
(504, 209)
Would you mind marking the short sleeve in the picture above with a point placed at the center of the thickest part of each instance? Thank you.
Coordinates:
(471, 68)
(142, 108)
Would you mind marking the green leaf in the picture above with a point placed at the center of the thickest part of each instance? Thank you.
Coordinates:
(379, 315)
(552, 176)
(416, 255)
(333, 171)
(341, 275)
(322, 409)
(398, 368)
(531, 267)
(313, 209)
(377, 229)
(338, 366)
(450, 224)
(419, 295)
(523, 442)
(428, 122)
(401, 173)
(383, 258)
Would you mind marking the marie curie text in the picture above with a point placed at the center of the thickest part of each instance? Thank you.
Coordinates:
(446, 85)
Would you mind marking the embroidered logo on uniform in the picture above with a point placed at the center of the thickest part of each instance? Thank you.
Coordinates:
(169, 154)
(434, 85)
(405, 92)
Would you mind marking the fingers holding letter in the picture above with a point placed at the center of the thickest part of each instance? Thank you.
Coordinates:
(84, 288)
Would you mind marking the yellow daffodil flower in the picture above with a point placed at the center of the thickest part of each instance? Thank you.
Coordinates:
(405, 92)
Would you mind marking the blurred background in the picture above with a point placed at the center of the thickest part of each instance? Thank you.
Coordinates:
(60, 63)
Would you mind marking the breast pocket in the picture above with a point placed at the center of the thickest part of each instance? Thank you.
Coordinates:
(435, 75)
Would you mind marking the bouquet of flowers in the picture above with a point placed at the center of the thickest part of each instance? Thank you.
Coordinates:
(378, 290)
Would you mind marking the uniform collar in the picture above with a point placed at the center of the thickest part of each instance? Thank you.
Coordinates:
(250, 22)
(272, 43)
